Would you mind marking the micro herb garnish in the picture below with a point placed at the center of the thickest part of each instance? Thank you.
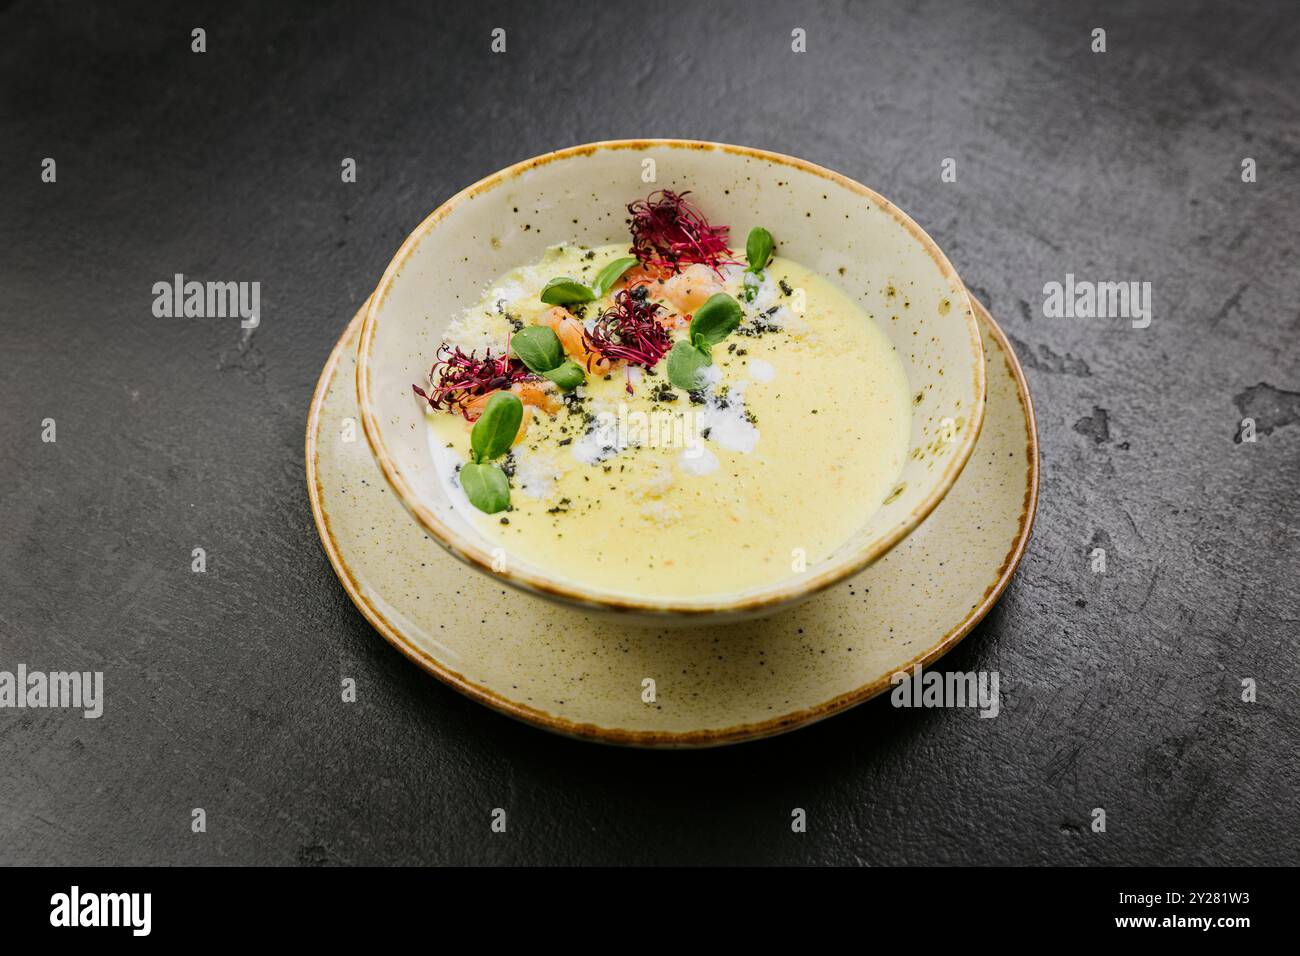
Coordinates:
(456, 379)
(607, 276)
(568, 375)
(630, 331)
(566, 291)
(539, 348)
(494, 432)
(686, 363)
(666, 228)
(713, 321)
(486, 486)
(484, 482)
(758, 250)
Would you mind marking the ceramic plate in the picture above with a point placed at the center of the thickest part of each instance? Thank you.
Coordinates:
(586, 676)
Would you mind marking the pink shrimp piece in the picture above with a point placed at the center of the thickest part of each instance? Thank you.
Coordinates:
(537, 395)
(569, 330)
(532, 394)
(690, 288)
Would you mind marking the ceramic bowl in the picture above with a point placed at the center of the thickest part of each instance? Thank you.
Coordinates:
(840, 228)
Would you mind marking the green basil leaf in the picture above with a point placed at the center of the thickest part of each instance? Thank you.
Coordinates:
(685, 365)
(758, 249)
(486, 486)
(566, 291)
(568, 376)
(538, 347)
(496, 428)
(715, 320)
(607, 276)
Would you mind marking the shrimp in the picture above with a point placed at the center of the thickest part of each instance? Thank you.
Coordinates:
(647, 273)
(691, 288)
(537, 395)
(532, 394)
(570, 332)
(685, 291)
(650, 275)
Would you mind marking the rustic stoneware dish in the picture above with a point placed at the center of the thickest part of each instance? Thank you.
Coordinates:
(584, 675)
(843, 230)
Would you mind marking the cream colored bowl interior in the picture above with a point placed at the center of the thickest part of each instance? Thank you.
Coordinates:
(841, 229)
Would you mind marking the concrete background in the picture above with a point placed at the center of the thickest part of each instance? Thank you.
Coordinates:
(1121, 690)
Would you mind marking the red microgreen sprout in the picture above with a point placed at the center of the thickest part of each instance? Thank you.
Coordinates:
(668, 229)
(456, 379)
(630, 330)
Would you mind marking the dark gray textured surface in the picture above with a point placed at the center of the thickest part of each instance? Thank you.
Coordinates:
(1120, 690)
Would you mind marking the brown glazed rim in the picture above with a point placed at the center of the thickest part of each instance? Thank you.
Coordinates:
(526, 580)
(698, 738)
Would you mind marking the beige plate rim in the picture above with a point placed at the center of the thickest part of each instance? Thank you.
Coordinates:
(701, 738)
(524, 580)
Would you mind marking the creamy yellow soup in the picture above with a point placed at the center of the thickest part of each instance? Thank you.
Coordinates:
(797, 440)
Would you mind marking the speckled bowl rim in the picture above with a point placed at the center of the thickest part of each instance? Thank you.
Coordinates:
(694, 738)
(698, 610)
